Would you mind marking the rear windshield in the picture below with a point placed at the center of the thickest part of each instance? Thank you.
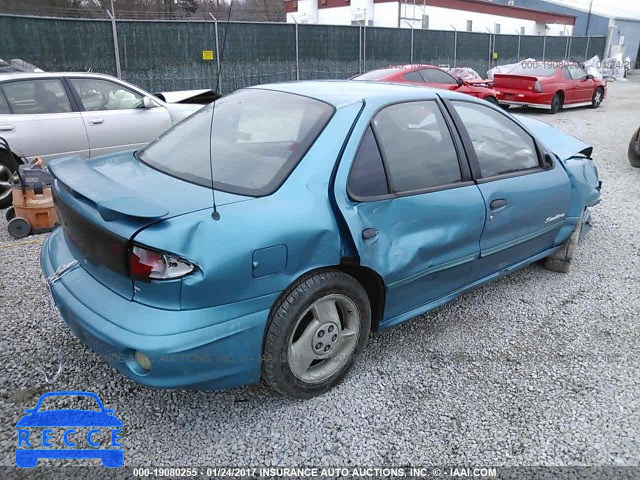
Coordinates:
(533, 70)
(376, 74)
(258, 137)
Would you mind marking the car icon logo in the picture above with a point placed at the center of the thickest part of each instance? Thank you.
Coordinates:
(81, 432)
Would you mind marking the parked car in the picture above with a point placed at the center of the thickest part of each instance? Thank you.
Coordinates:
(340, 207)
(634, 149)
(549, 85)
(17, 65)
(56, 114)
(430, 76)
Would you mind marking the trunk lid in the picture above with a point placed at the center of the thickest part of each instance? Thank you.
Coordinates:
(104, 202)
(513, 82)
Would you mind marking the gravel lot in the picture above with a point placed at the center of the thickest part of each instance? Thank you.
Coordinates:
(538, 368)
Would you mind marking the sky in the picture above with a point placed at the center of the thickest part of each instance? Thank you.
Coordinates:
(609, 8)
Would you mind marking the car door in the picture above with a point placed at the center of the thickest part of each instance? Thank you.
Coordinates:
(526, 194)
(410, 205)
(582, 86)
(40, 119)
(438, 79)
(115, 116)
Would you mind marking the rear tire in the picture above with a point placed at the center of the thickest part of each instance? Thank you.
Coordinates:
(634, 157)
(556, 103)
(8, 165)
(598, 96)
(493, 101)
(315, 334)
(560, 260)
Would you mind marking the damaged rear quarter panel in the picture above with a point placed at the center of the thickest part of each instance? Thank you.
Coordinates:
(298, 216)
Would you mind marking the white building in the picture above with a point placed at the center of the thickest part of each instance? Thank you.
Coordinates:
(461, 15)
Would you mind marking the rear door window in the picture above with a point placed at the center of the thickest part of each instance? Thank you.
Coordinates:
(367, 177)
(414, 77)
(417, 147)
(433, 75)
(37, 96)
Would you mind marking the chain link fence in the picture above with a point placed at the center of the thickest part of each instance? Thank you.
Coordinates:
(172, 55)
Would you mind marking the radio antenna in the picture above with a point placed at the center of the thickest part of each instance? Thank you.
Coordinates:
(216, 215)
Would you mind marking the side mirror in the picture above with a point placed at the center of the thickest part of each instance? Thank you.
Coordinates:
(460, 82)
(150, 103)
(590, 77)
(548, 161)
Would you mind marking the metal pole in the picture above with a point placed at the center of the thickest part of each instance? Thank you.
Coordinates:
(519, 38)
(411, 27)
(455, 45)
(215, 29)
(586, 50)
(359, 48)
(114, 30)
(568, 54)
(544, 46)
(364, 43)
(490, 49)
(297, 59)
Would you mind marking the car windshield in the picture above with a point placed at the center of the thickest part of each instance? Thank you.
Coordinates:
(376, 74)
(533, 70)
(254, 141)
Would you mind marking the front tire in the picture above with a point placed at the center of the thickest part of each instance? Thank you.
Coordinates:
(634, 157)
(598, 96)
(560, 260)
(315, 334)
(556, 103)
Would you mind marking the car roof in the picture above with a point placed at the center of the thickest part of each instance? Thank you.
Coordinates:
(340, 93)
(5, 76)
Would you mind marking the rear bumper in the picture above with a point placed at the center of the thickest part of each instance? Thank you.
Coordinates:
(524, 99)
(225, 353)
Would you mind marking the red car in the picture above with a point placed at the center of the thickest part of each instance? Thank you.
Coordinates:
(549, 85)
(430, 76)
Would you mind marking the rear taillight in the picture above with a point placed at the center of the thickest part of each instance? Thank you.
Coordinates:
(537, 87)
(145, 264)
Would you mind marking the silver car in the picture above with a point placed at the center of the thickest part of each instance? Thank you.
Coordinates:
(56, 114)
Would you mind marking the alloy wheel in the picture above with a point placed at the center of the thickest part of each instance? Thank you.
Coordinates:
(324, 338)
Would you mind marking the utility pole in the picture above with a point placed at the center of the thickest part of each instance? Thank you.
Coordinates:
(586, 33)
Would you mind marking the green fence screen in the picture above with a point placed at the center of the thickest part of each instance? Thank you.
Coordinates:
(172, 55)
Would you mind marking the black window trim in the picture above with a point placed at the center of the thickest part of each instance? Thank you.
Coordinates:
(67, 91)
(471, 153)
(463, 161)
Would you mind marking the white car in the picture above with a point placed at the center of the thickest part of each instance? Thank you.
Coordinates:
(57, 114)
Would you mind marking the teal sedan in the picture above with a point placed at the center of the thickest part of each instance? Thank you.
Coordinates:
(265, 236)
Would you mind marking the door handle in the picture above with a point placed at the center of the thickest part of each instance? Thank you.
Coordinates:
(96, 121)
(7, 128)
(497, 203)
(369, 233)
